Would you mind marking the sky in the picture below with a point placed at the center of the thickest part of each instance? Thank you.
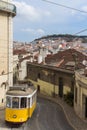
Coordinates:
(37, 18)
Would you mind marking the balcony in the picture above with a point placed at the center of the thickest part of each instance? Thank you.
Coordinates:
(8, 7)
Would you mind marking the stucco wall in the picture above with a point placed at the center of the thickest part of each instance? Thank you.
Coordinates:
(48, 80)
(81, 87)
(6, 52)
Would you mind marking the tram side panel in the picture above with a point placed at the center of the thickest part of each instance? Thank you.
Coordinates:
(32, 105)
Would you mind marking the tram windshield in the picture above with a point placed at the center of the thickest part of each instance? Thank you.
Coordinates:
(8, 101)
(15, 102)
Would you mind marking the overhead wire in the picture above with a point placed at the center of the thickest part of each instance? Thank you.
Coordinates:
(65, 6)
(62, 5)
(80, 31)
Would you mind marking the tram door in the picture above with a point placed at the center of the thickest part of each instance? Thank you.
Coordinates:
(61, 87)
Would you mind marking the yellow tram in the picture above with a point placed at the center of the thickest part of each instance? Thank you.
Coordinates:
(20, 103)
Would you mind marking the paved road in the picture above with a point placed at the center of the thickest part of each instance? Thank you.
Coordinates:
(47, 116)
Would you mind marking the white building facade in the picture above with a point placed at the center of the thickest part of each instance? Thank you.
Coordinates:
(7, 12)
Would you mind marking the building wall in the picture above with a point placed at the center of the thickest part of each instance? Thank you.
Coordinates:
(6, 53)
(15, 61)
(80, 94)
(3, 54)
(47, 88)
(48, 79)
(3, 43)
(22, 70)
(7, 0)
(10, 51)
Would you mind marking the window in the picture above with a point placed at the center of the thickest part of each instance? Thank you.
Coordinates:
(33, 99)
(60, 86)
(23, 102)
(8, 102)
(38, 88)
(72, 86)
(29, 102)
(2, 100)
(39, 76)
(60, 81)
(15, 102)
(75, 94)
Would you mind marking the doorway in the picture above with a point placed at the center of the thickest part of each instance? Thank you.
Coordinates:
(61, 87)
(38, 88)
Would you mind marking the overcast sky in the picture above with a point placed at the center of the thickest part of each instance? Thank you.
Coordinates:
(36, 18)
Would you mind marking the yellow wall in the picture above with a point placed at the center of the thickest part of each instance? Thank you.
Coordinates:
(66, 89)
(48, 88)
(45, 87)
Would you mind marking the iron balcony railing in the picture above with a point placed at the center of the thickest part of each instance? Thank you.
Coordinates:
(8, 7)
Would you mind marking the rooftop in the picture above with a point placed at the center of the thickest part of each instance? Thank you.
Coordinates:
(7, 7)
(67, 59)
(22, 90)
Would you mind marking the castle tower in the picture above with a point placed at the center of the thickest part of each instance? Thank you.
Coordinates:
(7, 12)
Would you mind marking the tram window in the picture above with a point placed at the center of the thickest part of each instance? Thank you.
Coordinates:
(15, 102)
(8, 102)
(28, 102)
(2, 100)
(23, 102)
(33, 98)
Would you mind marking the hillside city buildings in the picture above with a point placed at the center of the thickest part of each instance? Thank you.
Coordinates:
(55, 67)
(56, 72)
(7, 12)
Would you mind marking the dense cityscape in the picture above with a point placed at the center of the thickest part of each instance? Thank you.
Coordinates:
(43, 82)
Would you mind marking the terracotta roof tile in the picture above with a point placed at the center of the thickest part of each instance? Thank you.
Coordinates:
(63, 57)
(18, 52)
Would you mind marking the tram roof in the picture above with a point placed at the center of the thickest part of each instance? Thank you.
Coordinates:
(21, 90)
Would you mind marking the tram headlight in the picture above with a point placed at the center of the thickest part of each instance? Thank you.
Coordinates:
(14, 116)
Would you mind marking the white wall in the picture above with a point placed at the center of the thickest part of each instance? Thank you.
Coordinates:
(6, 53)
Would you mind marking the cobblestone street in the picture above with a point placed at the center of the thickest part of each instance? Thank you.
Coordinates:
(73, 119)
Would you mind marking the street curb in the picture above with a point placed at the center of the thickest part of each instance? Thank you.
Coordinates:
(53, 100)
